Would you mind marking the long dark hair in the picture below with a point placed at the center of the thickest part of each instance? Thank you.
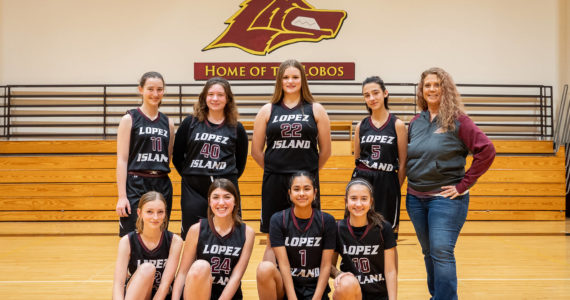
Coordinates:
(227, 186)
(372, 216)
(380, 82)
(313, 183)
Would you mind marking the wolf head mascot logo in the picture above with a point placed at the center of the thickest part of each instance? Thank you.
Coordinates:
(261, 26)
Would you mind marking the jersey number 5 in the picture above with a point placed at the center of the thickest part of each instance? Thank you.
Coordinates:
(375, 152)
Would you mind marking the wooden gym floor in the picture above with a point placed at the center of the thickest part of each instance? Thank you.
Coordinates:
(496, 260)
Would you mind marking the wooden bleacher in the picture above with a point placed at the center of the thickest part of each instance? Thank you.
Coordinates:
(75, 181)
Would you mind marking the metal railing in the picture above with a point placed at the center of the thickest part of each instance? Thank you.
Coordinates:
(94, 110)
(562, 132)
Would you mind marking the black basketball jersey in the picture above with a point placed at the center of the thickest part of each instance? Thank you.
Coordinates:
(141, 254)
(148, 149)
(222, 253)
(304, 246)
(363, 256)
(378, 146)
(210, 149)
(291, 139)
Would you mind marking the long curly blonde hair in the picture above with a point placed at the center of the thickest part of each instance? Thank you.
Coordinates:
(451, 106)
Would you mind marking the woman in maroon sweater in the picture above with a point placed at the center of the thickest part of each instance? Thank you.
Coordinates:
(437, 200)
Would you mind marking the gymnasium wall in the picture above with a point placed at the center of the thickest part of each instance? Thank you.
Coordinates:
(564, 15)
(109, 41)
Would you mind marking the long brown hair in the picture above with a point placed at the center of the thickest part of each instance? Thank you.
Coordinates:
(146, 198)
(227, 186)
(230, 110)
(451, 106)
(305, 92)
(372, 216)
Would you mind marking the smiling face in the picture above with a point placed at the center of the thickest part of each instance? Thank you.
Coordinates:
(216, 98)
(291, 81)
(152, 91)
(358, 201)
(153, 214)
(431, 90)
(222, 203)
(374, 96)
(302, 192)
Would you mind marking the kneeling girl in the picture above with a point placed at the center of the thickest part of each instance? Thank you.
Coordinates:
(217, 249)
(366, 243)
(148, 257)
(303, 239)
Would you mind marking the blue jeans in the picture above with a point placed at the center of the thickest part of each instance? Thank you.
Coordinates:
(438, 221)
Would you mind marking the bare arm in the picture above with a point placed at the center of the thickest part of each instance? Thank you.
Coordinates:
(123, 207)
(334, 261)
(121, 266)
(258, 139)
(188, 257)
(170, 269)
(285, 269)
(391, 272)
(171, 142)
(402, 135)
(357, 141)
(324, 129)
(239, 269)
(324, 273)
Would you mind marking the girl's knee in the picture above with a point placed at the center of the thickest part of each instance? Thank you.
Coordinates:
(199, 271)
(146, 270)
(265, 270)
(348, 287)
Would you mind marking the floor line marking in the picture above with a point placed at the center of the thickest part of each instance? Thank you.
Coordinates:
(252, 280)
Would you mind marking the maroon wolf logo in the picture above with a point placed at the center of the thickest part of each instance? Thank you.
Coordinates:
(261, 26)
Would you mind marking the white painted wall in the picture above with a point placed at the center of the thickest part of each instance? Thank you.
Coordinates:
(564, 39)
(110, 41)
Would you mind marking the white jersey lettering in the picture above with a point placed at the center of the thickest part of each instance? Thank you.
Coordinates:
(292, 144)
(210, 137)
(382, 139)
(157, 157)
(153, 131)
(360, 250)
(212, 165)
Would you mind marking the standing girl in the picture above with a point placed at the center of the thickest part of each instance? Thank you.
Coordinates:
(366, 243)
(217, 250)
(148, 257)
(144, 145)
(303, 239)
(296, 131)
(380, 150)
(209, 144)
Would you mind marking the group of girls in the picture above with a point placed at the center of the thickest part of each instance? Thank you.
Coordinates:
(291, 142)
